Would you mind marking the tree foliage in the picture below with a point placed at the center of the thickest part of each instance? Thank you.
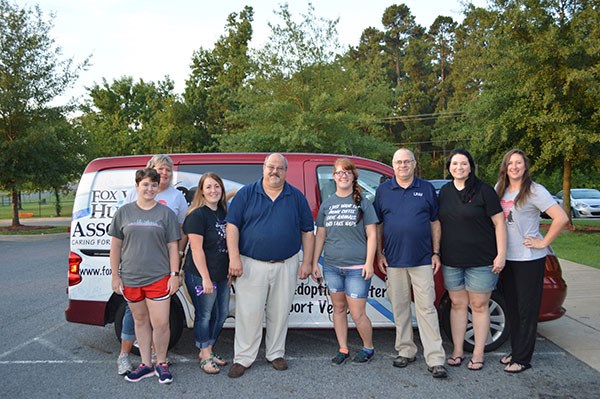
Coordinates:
(216, 75)
(304, 100)
(32, 73)
(533, 80)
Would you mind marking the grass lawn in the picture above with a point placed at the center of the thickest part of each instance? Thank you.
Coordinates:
(581, 245)
(43, 210)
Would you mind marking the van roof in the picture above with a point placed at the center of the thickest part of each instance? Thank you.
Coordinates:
(139, 161)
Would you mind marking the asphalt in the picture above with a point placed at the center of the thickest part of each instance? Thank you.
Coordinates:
(577, 332)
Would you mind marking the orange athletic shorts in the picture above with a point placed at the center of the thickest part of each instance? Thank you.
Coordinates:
(158, 291)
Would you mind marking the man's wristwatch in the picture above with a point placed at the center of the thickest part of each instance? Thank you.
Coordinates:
(174, 274)
(181, 253)
(435, 253)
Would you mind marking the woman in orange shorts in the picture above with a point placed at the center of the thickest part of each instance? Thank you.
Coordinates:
(144, 260)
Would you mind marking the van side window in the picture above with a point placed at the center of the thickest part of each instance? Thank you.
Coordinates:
(367, 179)
(234, 176)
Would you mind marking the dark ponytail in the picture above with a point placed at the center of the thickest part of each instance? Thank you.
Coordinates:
(357, 196)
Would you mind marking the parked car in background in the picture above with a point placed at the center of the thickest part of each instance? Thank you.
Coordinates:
(438, 184)
(585, 202)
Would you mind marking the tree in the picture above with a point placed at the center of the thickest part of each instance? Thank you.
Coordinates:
(216, 75)
(534, 82)
(127, 117)
(303, 97)
(32, 73)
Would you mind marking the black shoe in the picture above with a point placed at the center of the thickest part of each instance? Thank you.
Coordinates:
(402, 361)
(438, 371)
(340, 359)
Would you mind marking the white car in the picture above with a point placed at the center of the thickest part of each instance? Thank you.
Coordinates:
(585, 202)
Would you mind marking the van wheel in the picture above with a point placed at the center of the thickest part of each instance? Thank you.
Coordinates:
(499, 330)
(175, 323)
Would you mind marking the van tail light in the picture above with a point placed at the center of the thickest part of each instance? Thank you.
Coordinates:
(553, 267)
(74, 262)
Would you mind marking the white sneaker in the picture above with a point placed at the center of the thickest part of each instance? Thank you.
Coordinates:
(124, 364)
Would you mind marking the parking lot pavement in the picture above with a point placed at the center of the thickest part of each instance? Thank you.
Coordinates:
(578, 331)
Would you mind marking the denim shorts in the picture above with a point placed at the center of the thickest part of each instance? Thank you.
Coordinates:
(473, 279)
(346, 280)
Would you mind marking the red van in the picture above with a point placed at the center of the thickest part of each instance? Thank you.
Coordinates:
(103, 187)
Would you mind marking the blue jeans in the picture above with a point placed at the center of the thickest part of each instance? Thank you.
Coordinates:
(128, 329)
(211, 311)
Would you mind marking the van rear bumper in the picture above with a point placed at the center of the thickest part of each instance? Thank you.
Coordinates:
(86, 312)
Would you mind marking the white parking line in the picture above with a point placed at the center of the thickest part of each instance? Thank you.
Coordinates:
(32, 340)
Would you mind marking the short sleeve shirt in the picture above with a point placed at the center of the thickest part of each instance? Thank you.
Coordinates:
(211, 226)
(145, 235)
(270, 230)
(468, 233)
(345, 240)
(171, 197)
(524, 221)
(406, 214)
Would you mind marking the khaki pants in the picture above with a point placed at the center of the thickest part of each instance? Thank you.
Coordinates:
(399, 284)
(264, 289)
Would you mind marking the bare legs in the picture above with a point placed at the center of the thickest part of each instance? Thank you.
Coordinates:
(481, 321)
(357, 306)
(152, 325)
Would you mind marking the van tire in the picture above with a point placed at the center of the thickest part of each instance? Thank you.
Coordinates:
(176, 318)
(499, 328)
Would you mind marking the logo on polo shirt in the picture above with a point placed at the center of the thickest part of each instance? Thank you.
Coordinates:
(417, 194)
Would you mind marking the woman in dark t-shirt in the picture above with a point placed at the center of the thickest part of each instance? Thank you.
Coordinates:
(206, 267)
(473, 252)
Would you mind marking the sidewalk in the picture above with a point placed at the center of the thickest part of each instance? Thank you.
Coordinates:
(51, 221)
(578, 331)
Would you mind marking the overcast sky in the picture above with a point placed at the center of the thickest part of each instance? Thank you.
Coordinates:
(150, 39)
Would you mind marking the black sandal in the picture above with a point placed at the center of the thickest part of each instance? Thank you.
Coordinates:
(522, 367)
(508, 360)
(456, 361)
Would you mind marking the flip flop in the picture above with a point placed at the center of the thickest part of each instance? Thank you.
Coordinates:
(471, 362)
(506, 359)
(522, 367)
(456, 361)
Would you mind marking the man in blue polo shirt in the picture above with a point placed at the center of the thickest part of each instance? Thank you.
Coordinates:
(408, 209)
(267, 223)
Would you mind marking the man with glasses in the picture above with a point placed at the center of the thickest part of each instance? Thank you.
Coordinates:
(408, 210)
(268, 222)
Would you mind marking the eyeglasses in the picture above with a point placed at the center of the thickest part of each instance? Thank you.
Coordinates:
(271, 168)
(341, 173)
(405, 162)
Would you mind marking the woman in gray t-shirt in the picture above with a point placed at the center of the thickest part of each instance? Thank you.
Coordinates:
(522, 201)
(144, 262)
(347, 233)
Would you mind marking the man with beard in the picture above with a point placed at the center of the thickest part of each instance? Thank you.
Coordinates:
(267, 224)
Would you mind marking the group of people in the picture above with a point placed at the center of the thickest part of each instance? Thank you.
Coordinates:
(472, 232)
